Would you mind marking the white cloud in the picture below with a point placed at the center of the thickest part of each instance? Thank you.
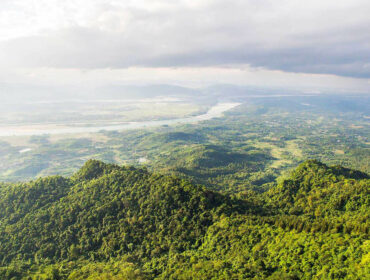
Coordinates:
(324, 37)
(185, 76)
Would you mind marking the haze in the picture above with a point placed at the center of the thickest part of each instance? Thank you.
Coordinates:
(69, 47)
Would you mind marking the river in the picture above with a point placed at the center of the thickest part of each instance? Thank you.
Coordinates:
(214, 112)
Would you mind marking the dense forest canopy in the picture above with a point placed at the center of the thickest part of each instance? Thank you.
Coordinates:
(113, 222)
(176, 140)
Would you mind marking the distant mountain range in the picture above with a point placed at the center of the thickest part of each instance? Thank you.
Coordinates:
(32, 93)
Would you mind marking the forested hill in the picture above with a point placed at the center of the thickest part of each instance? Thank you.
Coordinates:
(317, 190)
(112, 222)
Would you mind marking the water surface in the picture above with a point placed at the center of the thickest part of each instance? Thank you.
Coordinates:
(214, 112)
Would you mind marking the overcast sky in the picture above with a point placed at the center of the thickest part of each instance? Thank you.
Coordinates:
(313, 45)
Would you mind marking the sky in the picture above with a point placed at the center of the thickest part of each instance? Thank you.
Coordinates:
(308, 45)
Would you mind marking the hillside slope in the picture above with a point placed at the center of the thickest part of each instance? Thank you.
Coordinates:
(111, 222)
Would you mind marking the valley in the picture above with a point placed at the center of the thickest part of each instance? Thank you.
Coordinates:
(257, 188)
(184, 140)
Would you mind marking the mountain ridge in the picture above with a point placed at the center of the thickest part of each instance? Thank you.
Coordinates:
(159, 226)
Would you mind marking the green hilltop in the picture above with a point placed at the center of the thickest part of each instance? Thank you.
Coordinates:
(113, 222)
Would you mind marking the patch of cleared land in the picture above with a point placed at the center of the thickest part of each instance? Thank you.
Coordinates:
(282, 156)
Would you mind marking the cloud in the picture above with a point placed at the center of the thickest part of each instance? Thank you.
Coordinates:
(329, 37)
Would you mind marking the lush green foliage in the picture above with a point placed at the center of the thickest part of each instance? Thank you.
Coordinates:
(111, 222)
(247, 149)
(108, 210)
